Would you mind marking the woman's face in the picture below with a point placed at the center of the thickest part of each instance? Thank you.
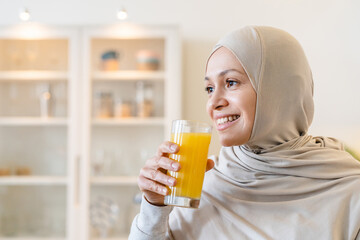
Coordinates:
(232, 99)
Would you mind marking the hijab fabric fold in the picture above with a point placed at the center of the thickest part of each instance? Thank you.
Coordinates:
(284, 183)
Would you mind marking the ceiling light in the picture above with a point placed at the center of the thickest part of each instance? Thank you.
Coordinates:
(122, 14)
(24, 15)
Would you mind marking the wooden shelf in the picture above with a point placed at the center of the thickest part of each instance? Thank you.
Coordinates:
(118, 181)
(133, 121)
(33, 76)
(32, 121)
(128, 75)
(32, 180)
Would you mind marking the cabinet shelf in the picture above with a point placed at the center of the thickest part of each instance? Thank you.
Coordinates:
(133, 121)
(128, 75)
(121, 181)
(32, 121)
(33, 75)
(32, 180)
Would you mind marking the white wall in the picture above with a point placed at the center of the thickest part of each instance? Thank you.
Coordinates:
(329, 31)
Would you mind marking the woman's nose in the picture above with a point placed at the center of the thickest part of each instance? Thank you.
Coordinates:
(218, 100)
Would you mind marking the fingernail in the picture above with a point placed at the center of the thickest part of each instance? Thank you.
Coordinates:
(164, 190)
(175, 166)
(171, 181)
(173, 148)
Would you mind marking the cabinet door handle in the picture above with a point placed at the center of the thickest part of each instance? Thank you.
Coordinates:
(77, 180)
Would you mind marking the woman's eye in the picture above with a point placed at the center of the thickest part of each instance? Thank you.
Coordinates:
(209, 89)
(230, 83)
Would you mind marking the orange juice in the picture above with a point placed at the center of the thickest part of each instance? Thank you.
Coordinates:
(192, 158)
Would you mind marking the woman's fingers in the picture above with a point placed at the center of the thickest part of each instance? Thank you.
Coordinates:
(209, 164)
(164, 163)
(146, 184)
(157, 176)
(153, 180)
(166, 148)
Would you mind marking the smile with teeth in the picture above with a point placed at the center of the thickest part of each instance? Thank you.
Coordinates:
(227, 119)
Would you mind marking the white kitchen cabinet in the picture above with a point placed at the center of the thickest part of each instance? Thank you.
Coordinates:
(69, 164)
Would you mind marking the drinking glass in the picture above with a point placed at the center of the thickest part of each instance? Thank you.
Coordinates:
(193, 137)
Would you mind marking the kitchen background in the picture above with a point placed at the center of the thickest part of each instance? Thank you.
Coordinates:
(69, 166)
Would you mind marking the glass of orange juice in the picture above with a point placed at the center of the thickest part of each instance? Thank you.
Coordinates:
(193, 137)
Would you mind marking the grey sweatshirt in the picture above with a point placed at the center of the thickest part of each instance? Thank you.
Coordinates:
(152, 223)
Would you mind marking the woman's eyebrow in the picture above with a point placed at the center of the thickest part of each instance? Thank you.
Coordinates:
(225, 72)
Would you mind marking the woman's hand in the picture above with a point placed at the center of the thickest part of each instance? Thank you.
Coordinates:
(153, 179)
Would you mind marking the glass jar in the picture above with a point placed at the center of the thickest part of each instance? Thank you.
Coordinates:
(103, 105)
(122, 109)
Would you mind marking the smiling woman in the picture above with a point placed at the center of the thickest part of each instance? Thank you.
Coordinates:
(272, 179)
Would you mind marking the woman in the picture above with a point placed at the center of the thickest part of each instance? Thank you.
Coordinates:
(272, 180)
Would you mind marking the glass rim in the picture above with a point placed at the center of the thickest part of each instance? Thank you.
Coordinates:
(195, 123)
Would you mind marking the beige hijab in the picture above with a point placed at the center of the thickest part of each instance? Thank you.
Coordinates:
(284, 183)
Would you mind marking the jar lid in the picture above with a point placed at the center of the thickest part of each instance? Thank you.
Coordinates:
(110, 55)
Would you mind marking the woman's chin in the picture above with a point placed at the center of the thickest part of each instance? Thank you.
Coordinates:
(229, 142)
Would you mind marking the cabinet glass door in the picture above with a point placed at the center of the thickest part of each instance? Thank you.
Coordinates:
(127, 125)
(35, 128)
(128, 115)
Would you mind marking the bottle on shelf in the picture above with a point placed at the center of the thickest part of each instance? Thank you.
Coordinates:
(144, 99)
(46, 100)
